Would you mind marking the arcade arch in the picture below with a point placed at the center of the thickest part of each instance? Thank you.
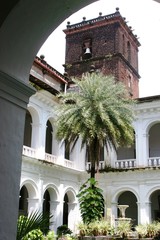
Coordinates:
(129, 198)
(23, 201)
(154, 140)
(50, 204)
(28, 200)
(28, 130)
(69, 208)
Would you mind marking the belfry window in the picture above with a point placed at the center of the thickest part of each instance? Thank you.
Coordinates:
(128, 51)
(87, 49)
(123, 45)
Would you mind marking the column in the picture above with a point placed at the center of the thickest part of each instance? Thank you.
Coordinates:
(143, 211)
(114, 213)
(142, 149)
(72, 216)
(148, 211)
(36, 128)
(14, 96)
(53, 210)
(32, 205)
(40, 147)
(40, 193)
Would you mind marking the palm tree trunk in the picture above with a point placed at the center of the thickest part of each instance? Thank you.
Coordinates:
(93, 172)
(95, 155)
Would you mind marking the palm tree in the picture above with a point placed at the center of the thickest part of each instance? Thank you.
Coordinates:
(36, 222)
(99, 113)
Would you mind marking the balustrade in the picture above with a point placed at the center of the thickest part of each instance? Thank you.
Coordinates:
(154, 162)
(50, 158)
(31, 152)
(125, 164)
(28, 151)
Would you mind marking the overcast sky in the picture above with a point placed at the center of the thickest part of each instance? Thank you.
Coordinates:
(142, 15)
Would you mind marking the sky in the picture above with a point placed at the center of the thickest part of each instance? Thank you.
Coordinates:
(144, 18)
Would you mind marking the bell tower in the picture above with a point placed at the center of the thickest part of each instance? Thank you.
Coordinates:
(103, 44)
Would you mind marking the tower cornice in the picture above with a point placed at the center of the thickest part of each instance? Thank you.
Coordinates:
(99, 22)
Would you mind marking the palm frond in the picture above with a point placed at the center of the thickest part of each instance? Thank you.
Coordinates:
(100, 111)
(35, 220)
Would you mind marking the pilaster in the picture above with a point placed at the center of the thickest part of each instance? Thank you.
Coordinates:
(14, 96)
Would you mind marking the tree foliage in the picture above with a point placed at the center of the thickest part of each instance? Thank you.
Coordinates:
(99, 113)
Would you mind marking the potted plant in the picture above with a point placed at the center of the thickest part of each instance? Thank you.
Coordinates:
(148, 230)
(83, 229)
(123, 229)
(98, 230)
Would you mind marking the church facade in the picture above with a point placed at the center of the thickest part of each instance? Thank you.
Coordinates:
(51, 177)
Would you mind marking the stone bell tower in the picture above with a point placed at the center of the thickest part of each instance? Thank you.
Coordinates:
(105, 44)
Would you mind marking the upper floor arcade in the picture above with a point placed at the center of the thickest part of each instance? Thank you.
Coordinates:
(40, 137)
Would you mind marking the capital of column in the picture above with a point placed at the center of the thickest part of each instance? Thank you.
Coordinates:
(145, 135)
(54, 203)
(14, 90)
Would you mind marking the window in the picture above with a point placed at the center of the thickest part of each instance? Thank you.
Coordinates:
(128, 51)
(67, 150)
(87, 49)
(49, 131)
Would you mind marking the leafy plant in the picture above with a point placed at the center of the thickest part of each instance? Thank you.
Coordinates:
(94, 228)
(50, 236)
(83, 229)
(123, 228)
(63, 230)
(91, 201)
(105, 228)
(148, 230)
(152, 229)
(35, 234)
(97, 228)
(34, 221)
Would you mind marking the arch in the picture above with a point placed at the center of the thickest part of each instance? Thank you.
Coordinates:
(46, 208)
(53, 191)
(123, 44)
(124, 153)
(129, 199)
(153, 198)
(155, 205)
(71, 195)
(52, 145)
(69, 205)
(151, 191)
(48, 142)
(149, 124)
(124, 189)
(46, 202)
(34, 113)
(27, 129)
(23, 201)
(65, 209)
(31, 187)
(154, 139)
(128, 51)
(19, 43)
(33, 131)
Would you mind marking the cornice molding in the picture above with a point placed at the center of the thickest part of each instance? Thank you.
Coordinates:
(15, 90)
